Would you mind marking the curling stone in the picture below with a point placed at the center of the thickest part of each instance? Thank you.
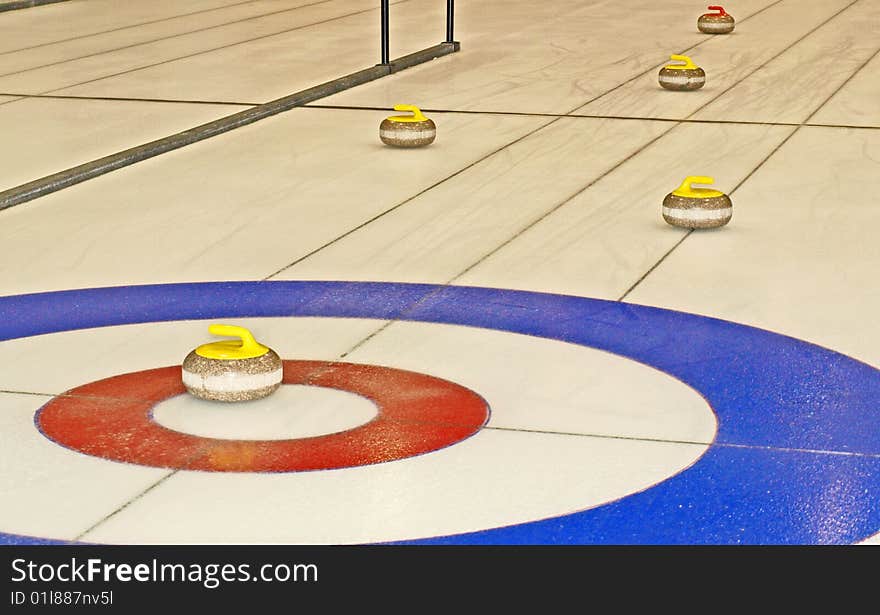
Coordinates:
(687, 76)
(697, 207)
(407, 130)
(232, 370)
(716, 23)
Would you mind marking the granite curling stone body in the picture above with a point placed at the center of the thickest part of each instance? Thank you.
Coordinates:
(407, 130)
(692, 208)
(232, 370)
(716, 23)
(687, 76)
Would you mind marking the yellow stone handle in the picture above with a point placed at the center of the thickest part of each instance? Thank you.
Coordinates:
(248, 343)
(695, 179)
(686, 190)
(688, 63)
(246, 348)
(415, 117)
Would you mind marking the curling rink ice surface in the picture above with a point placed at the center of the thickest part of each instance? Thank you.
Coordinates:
(492, 339)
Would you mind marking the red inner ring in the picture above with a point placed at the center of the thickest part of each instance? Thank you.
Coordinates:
(417, 414)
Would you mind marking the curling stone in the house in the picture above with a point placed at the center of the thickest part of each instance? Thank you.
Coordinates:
(407, 130)
(232, 370)
(690, 207)
(687, 76)
(716, 23)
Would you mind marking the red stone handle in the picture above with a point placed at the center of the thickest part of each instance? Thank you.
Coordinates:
(720, 10)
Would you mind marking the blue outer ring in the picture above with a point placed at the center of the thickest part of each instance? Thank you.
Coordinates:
(796, 458)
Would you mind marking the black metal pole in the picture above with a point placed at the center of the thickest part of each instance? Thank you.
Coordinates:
(385, 51)
(450, 20)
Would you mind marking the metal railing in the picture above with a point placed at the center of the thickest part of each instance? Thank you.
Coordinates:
(385, 45)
